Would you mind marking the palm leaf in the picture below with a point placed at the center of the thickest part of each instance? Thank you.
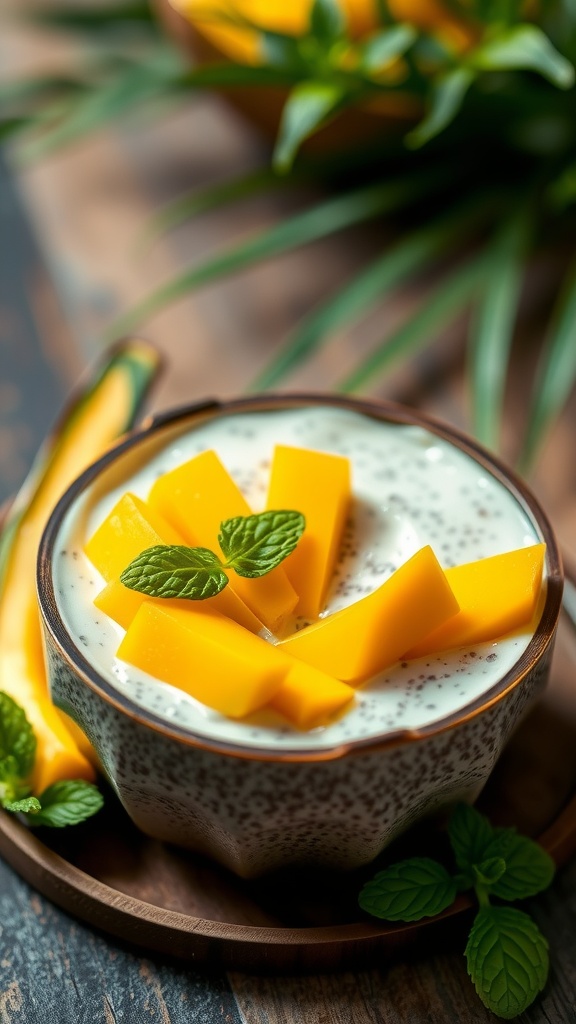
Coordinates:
(309, 105)
(212, 198)
(446, 99)
(97, 107)
(556, 373)
(373, 283)
(33, 89)
(440, 309)
(102, 16)
(324, 219)
(493, 326)
(10, 126)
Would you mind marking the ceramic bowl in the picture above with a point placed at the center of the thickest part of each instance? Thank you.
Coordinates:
(258, 807)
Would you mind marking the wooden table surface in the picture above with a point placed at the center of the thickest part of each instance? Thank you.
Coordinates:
(68, 265)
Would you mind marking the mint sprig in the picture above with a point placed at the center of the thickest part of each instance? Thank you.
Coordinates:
(17, 741)
(252, 546)
(506, 954)
(507, 959)
(64, 803)
(67, 802)
(407, 891)
(176, 571)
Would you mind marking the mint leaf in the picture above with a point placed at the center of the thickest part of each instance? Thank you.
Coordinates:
(407, 891)
(507, 959)
(68, 803)
(489, 871)
(386, 46)
(447, 97)
(326, 20)
(282, 51)
(176, 571)
(17, 740)
(254, 545)
(529, 869)
(309, 105)
(29, 805)
(470, 834)
(9, 772)
(525, 47)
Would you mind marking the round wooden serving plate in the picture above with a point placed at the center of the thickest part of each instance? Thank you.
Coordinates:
(167, 900)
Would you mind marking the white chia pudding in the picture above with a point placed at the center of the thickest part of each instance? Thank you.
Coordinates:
(410, 488)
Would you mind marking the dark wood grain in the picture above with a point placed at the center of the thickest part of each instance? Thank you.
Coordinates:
(54, 970)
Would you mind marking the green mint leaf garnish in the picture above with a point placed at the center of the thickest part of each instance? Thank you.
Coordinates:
(529, 869)
(68, 803)
(507, 958)
(507, 955)
(176, 571)
(29, 805)
(9, 772)
(470, 834)
(63, 803)
(254, 545)
(488, 872)
(409, 890)
(17, 740)
(326, 20)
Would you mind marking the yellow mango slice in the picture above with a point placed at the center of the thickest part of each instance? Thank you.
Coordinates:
(100, 411)
(371, 634)
(208, 656)
(318, 485)
(309, 698)
(121, 605)
(130, 528)
(195, 498)
(496, 595)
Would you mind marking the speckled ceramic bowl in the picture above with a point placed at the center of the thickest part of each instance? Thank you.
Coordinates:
(341, 799)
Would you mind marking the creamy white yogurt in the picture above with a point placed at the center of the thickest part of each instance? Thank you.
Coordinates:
(410, 488)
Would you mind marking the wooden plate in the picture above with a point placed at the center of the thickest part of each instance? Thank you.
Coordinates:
(164, 899)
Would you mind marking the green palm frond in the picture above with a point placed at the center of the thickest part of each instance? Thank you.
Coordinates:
(446, 302)
(215, 197)
(493, 325)
(556, 374)
(413, 253)
(326, 218)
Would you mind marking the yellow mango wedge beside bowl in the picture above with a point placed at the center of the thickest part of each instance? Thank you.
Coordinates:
(103, 409)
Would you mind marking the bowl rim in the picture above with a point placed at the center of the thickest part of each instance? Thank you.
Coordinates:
(383, 411)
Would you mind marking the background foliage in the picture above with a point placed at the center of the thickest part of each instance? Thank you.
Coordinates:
(473, 158)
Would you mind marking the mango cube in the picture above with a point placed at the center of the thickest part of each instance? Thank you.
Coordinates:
(371, 634)
(318, 485)
(195, 498)
(496, 595)
(207, 655)
(130, 528)
(309, 698)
